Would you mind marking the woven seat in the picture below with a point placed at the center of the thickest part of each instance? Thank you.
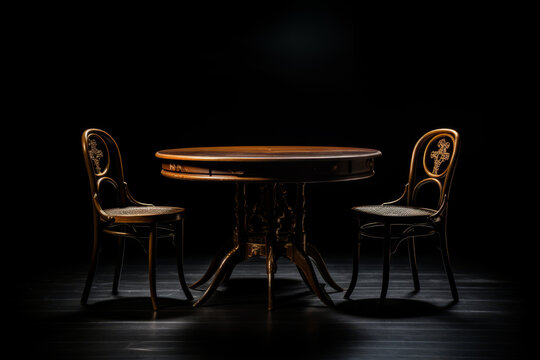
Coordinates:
(144, 214)
(433, 162)
(127, 218)
(403, 213)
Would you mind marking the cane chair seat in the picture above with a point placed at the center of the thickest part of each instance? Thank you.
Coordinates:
(394, 212)
(145, 214)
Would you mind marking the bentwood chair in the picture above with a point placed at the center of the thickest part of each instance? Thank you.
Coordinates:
(433, 161)
(117, 213)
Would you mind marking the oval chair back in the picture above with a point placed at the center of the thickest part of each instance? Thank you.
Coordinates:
(433, 161)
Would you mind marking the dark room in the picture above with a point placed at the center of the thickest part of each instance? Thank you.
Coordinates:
(325, 179)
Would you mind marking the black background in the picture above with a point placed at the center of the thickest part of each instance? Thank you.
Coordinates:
(282, 73)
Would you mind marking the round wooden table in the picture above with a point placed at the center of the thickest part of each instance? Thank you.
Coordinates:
(270, 212)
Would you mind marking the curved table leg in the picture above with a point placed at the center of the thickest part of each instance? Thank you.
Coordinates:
(297, 256)
(271, 268)
(313, 253)
(214, 265)
(227, 276)
(304, 279)
(225, 266)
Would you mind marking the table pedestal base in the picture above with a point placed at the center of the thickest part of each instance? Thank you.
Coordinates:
(268, 227)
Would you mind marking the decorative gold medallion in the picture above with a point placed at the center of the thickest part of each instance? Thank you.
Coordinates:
(95, 154)
(440, 155)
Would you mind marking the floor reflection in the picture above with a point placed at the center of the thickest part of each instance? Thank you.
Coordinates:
(392, 308)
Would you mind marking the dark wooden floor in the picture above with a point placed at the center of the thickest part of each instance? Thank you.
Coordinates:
(486, 324)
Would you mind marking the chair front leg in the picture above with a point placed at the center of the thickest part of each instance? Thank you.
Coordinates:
(357, 240)
(354, 279)
(93, 263)
(119, 264)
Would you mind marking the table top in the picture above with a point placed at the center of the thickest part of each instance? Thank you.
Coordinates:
(268, 163)
(266, 153)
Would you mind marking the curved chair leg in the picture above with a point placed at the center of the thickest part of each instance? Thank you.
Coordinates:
(180, 259)
(313, 253)
(119, 265)
(447, 266)
(227, 262)
(414, 267)
(387, 253)
(93, 266)
(152, 242)
(356, 256)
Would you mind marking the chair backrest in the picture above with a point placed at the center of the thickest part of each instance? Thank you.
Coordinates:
(104, 166)
(433, 161)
